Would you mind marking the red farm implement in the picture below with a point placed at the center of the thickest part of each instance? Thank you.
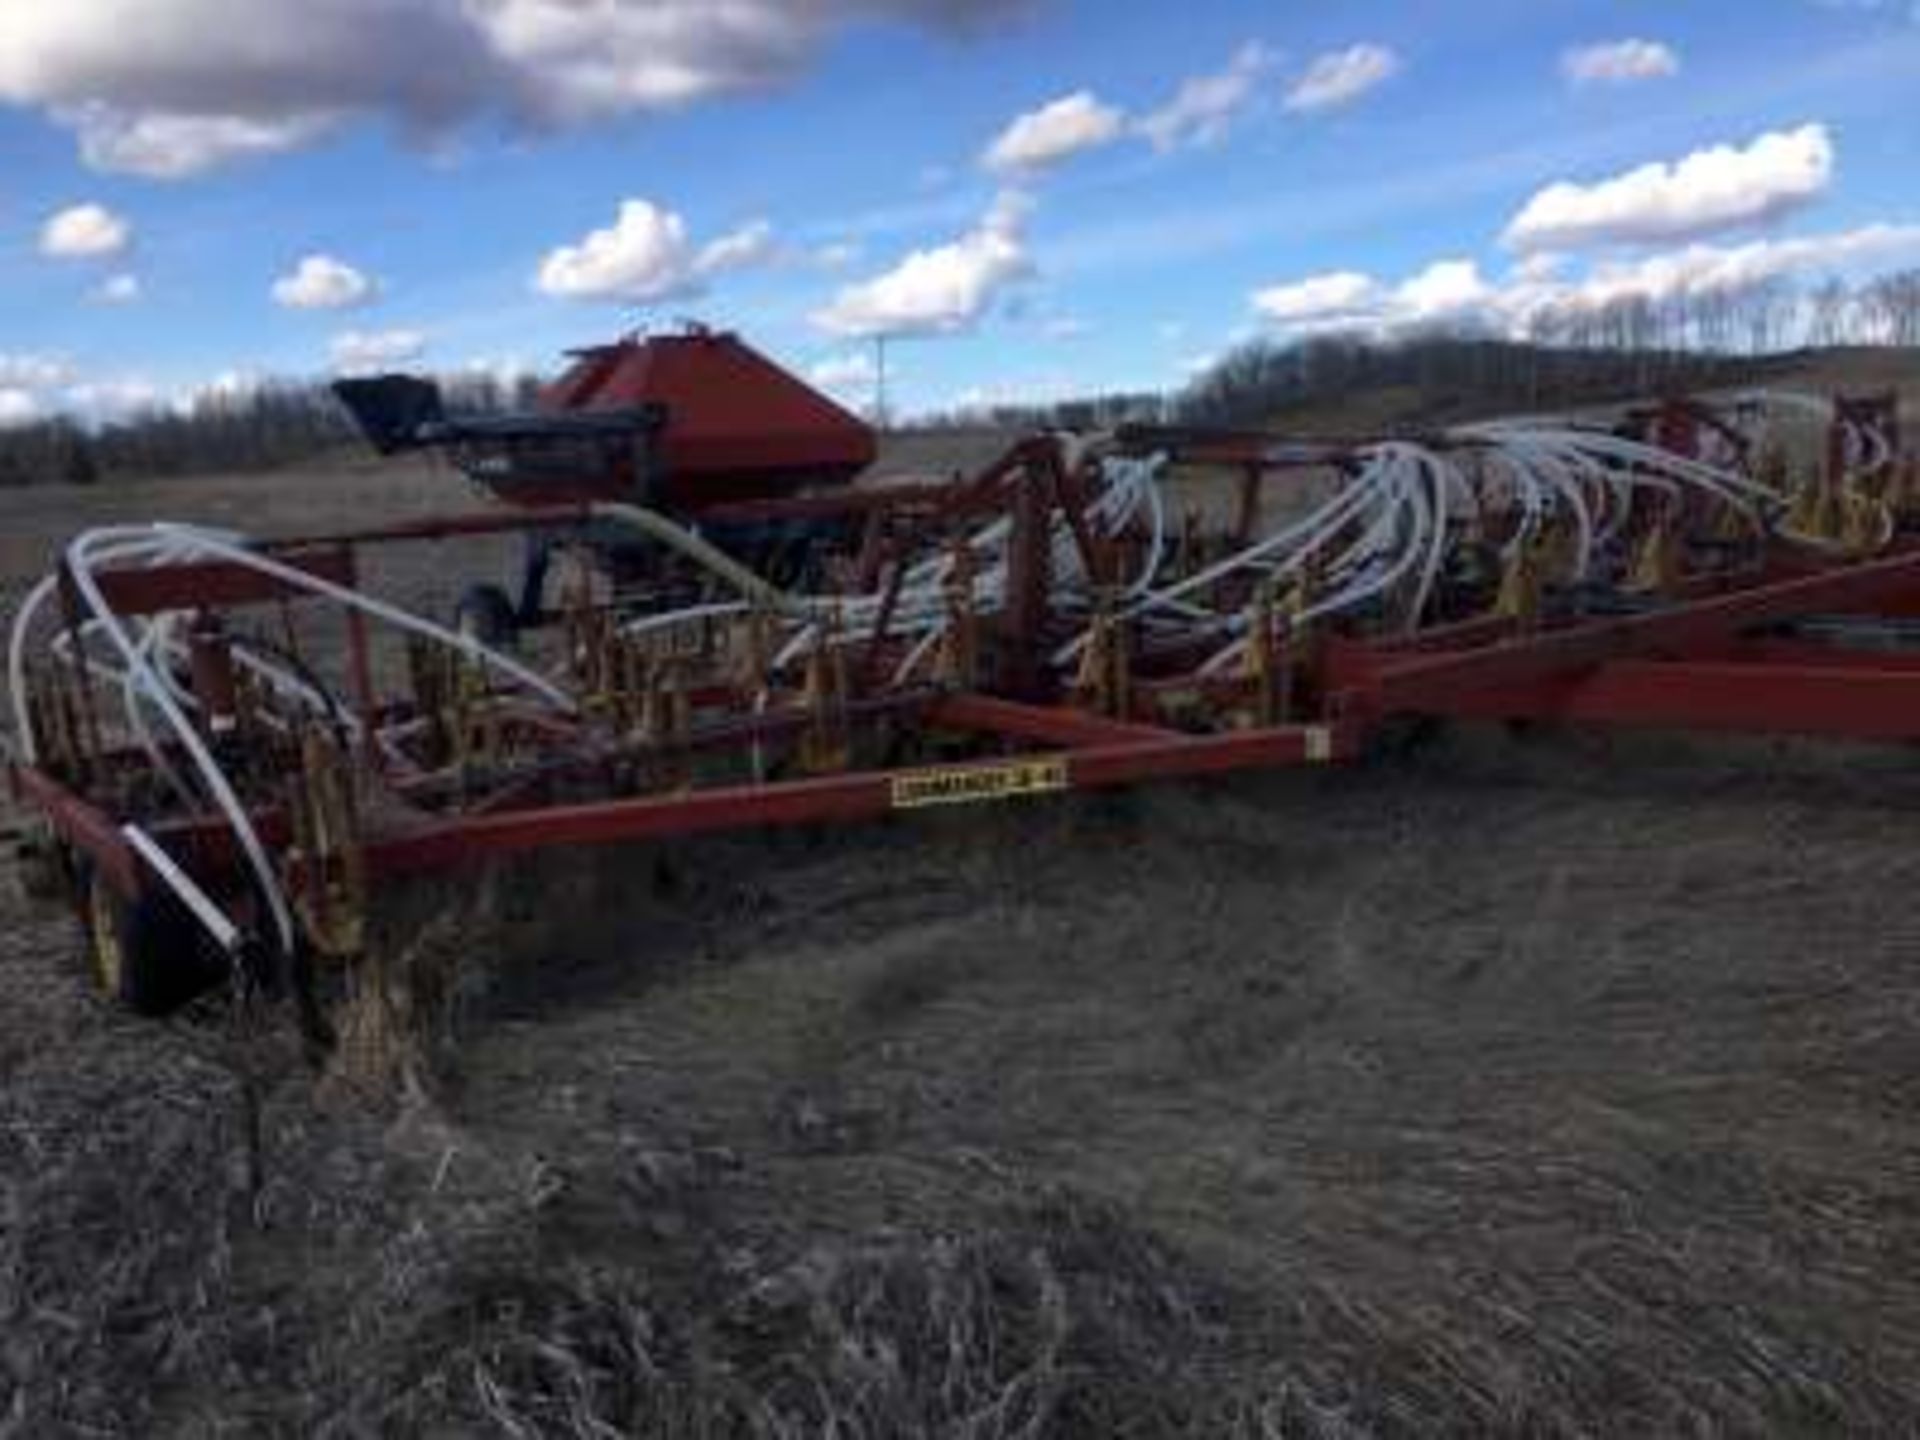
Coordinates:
(231, 746)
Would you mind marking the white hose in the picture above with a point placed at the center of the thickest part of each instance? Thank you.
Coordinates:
(1387, 530)
(79, 565)
(204, 542)
(142, 680)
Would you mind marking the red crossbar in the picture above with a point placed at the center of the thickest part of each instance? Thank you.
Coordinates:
(1434, 683)
(217, 583)
(863, 795)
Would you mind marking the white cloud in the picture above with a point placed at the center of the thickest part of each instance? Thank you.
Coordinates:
(851, 372)
(574, 61)
(646, 256)
(643, 256)
(1442, 291)
(84, 232)
(1708, 191)
(18, 406)
(1063, 327)
(1341, 77)
(1340, 293)
(752, 244)
(176, 146)
(939, 290)
(1721, 270)
(360, 350)
(1541, 266)
(321, 282)
(121, 289)
(37, 387)
(1204, 108)
(1350, 300)
(168, 88)
(33, 372)
(837, 255)
(1455, 290)
(101, 400)
(1619, 62)
(1062, 128)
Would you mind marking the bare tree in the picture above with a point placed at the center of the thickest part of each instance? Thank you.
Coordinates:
(1830, 313)
(1892, 304)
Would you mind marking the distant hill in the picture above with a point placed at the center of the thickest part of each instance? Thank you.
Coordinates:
(1360, 389)
(1349, 387)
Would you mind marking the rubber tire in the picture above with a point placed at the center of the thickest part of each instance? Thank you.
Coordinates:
(162, 958)
(487, 614)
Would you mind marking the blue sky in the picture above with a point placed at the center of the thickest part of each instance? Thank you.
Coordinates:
(810, 174)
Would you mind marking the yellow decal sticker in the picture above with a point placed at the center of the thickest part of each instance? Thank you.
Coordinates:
(974, 784)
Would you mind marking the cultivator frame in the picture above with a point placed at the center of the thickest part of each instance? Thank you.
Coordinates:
(655, 729)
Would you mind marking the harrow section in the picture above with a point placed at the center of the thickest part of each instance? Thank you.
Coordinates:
(232, 746)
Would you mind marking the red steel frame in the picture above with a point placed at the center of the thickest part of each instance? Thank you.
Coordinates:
(1689, 666)
(1705, 661)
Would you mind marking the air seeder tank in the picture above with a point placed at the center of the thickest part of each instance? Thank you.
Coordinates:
(732, 425)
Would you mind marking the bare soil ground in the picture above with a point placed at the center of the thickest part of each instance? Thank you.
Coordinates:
(1550, 1086)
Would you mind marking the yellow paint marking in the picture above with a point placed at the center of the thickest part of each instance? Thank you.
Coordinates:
(976, 784)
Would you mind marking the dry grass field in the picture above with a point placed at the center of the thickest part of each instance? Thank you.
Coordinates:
(1527, 1086)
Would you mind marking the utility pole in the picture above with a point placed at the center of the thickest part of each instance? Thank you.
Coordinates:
(880, 380)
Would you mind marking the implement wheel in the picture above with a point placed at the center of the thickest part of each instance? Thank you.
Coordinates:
(148, 955)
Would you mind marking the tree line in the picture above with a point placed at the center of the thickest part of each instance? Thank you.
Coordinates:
(263, 427)
(1444, 374)
(1566, 355)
